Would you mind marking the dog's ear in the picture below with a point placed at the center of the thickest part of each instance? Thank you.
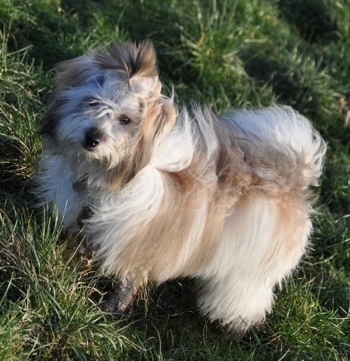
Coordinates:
(159, 118)
(159, 112)
(144, 81)
(52, 117)
(69, 74)
(145, 87)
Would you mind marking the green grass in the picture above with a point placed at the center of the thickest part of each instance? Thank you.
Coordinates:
(227, 53)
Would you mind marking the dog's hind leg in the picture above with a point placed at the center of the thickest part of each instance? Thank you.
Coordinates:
(264, 241)
(236, 304)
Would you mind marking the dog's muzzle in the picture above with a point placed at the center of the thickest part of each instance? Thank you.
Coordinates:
(93, 138)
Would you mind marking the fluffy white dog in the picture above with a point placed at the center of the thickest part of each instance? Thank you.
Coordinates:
(165, 192)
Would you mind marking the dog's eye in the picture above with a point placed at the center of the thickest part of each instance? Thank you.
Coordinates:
(94, 103)
(124, 119)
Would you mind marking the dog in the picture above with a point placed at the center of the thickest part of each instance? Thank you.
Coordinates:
(163, 191)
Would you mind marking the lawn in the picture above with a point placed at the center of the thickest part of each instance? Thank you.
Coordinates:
(224, 53)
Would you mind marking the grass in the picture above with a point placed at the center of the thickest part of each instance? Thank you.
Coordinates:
(228, 53)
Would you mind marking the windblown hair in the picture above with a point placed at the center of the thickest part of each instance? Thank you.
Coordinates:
(129, 59)
(179, 192)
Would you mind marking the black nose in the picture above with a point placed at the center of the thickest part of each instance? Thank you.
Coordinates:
(92, 139)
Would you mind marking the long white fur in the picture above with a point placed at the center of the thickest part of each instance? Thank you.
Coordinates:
(263, 224)
(238, 283)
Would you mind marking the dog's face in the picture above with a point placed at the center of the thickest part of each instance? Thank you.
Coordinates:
(107, 109)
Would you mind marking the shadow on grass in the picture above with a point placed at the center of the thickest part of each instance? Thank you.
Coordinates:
(313, 19)
(13, 174)
(288, 83)
(171, 323)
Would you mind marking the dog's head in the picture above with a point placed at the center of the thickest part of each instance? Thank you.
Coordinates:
(107, 110)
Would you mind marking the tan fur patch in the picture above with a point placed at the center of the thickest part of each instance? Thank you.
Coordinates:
(172, 239)
(159, 118)
(129, 59)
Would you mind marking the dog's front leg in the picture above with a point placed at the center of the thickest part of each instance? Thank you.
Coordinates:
(120, 300)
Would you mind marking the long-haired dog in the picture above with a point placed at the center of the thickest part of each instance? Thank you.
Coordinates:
(175, 192)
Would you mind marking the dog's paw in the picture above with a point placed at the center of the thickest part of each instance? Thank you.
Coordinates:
(120, 300)
(116, 304)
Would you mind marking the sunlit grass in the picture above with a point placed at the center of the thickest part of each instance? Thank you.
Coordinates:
(226, 54)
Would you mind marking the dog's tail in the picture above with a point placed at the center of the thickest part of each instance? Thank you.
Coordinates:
(281, 146)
